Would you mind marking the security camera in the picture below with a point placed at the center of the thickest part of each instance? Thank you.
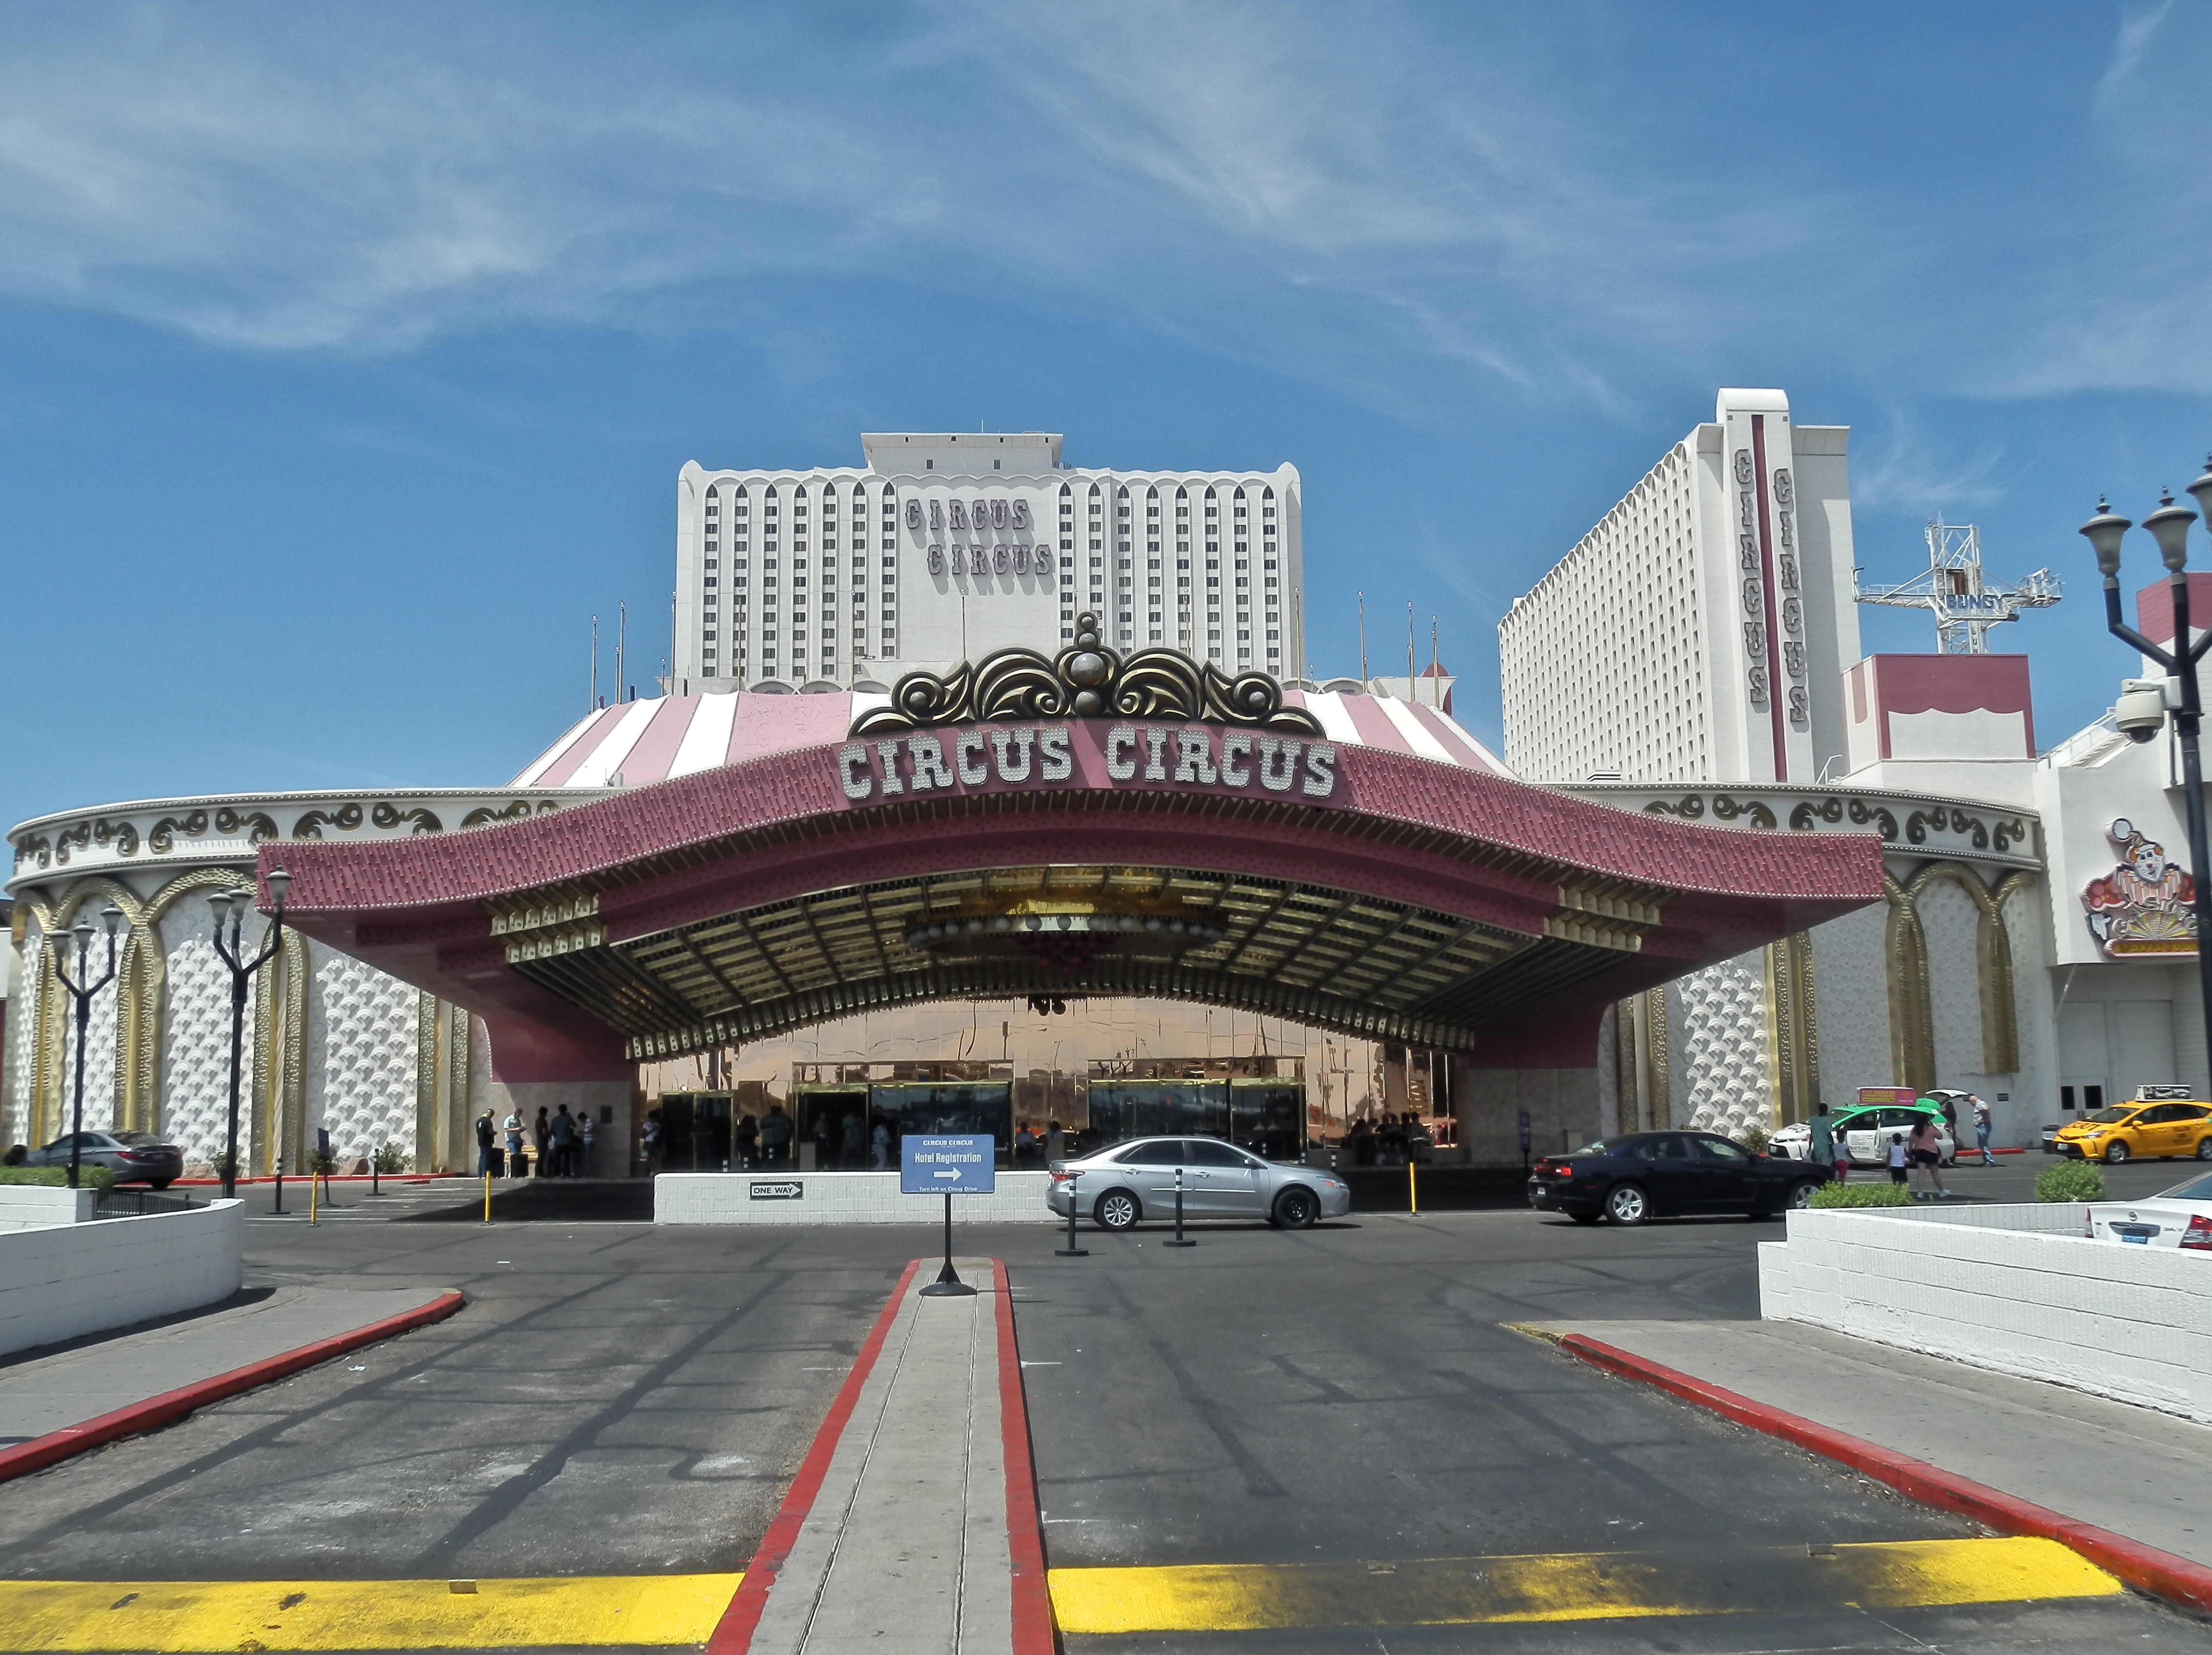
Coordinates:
(2141, 711)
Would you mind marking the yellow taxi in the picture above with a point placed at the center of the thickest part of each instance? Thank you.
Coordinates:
(2139, 1131)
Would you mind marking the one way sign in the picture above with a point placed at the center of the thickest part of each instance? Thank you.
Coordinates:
(948, 1165)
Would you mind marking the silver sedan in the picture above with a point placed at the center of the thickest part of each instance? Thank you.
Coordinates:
(1126, 1182)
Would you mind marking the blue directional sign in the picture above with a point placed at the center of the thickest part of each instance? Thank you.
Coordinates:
(946, 1165)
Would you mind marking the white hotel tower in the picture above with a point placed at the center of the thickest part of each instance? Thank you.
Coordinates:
(943, 547)
(1700, 631)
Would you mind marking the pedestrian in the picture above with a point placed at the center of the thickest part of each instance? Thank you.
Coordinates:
(542, 1131)
(649, 1141)
(1820, 1142)
(1927, 1155)
(588, 1131)
(1896, 1162)
(774, 1136)
(564, 1144)
(748, 1137)
(486, 1151)
(512, 1128)
(1055, 1143)
(879, 1145)
(853, 1133)
(1982, 1128)
(1025, 1145)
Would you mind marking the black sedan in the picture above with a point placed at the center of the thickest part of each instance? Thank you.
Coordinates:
(1643, 1175)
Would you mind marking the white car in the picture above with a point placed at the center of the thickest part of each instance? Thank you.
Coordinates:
(1864, 1132)
(2179, 1217)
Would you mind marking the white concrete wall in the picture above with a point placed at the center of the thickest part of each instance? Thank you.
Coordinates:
(60, 1281)
(841, 1198)
(22, 1204)
(2016, 1289)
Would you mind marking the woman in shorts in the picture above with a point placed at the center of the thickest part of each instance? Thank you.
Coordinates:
(1926, 1151)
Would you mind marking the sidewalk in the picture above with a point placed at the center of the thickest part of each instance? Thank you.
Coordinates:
(2133, 1472)
(911, 1528)
(96, 1390)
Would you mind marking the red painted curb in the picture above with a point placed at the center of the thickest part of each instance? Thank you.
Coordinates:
(1033, 1628)
(173, 1405)
(2177, 1580)
(733, 1633)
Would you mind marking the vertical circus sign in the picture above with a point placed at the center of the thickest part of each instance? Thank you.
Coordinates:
(1761, 612)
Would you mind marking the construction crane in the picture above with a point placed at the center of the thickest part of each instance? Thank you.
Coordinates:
(1952, 590)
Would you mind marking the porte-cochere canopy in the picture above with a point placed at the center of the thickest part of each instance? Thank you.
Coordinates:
(1261, 865)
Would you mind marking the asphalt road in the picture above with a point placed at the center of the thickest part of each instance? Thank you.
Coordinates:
(617, 1399)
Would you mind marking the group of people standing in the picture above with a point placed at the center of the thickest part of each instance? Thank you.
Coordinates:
(558, 1145)
(1391, 1140)
(1906, 1154)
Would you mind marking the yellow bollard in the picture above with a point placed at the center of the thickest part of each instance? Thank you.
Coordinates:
(1413, 1197)
(313, 1180)
(486, 1194)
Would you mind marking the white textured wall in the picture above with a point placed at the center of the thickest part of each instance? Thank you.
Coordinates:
(196, 1042)
(2130, 1322)
(842, 1198)
(1950, 922)
(1851, 997)
(361, 1041)
(1721, 1067)
(60, 1283)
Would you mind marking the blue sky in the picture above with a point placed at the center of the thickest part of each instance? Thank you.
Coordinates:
(348, 354)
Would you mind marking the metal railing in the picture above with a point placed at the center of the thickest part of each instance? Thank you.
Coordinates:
(140, 1203)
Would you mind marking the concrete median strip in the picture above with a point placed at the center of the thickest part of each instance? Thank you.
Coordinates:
(1588, 1586)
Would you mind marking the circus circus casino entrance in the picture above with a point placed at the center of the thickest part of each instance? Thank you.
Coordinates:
(1293, 870)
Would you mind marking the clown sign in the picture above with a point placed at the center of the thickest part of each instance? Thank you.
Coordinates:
(2143, 905)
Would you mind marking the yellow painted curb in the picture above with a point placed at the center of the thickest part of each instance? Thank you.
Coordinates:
(225, 1617)
(1586, 1586)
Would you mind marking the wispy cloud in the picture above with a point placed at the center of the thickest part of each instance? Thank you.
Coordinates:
(1904, 470)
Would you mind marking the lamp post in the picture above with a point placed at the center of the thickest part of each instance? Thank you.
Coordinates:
(82, 992)
(2169, 527)
(230, 907)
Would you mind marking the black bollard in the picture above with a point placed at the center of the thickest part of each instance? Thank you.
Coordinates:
(1072, 1251)
(1179, 1241)
(280, 1185)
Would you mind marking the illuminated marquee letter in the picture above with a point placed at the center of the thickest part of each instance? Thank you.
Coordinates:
(853, 772)
(1119, 741)
(998, 514)
(1021, 740)
(1320, 772)
(1156, 742)
(1234, 745)
(957, 515)
(887, 752)
(937, 560)
(926, 759)
(914, 514)
(970, 741)
(1021, 514)
(1274, 780)
(1195, 756)
(1055, 764)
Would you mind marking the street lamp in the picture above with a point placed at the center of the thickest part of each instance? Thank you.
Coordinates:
(228, 907)
(2169, 527)
(83, 993)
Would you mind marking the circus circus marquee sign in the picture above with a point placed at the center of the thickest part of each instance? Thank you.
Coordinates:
(2144, 905)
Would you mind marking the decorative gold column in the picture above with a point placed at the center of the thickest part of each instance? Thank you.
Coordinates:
(1911, 1012)
(429, 1153)
(1792, 1028)
(1658, 1099)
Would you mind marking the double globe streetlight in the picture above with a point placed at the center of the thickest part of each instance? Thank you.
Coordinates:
(229, 907)
(2143, 704)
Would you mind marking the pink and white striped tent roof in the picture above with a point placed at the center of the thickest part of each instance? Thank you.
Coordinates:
(643, 742)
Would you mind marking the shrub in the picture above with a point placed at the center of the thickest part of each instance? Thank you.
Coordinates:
(2069, 1181)
(56, 1178)
(1755, 1139)
(1861, 1195)
(390, 1159)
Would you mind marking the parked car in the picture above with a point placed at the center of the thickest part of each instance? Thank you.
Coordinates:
(2051, 1137)
(1117, 1186)
(1864, 1134)
(2140, 1131)
(1644, 1175)
(133, 1157)
(2179, 1217)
